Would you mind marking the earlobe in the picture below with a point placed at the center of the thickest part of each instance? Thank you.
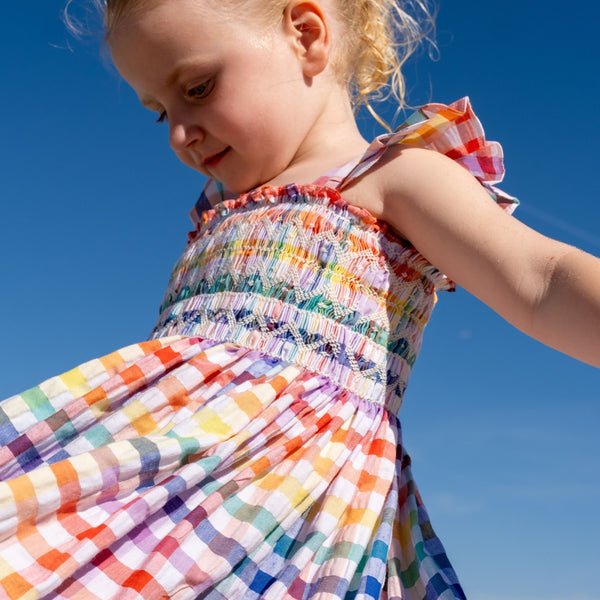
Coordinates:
(306, 22)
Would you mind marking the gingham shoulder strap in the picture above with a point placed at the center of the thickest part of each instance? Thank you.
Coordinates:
(452, 130)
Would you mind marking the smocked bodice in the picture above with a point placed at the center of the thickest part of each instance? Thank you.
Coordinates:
(299, 274)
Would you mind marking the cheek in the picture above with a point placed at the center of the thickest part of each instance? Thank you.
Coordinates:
(236, 118)
(261, 127)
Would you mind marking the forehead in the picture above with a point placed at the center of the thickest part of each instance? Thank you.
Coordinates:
(132, 14)
(116, 11)
(166, 28)
(158, 39)
(198, 21)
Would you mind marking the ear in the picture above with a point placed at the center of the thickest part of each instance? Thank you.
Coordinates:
(306, 24)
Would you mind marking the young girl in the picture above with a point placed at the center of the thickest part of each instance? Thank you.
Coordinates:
(259, 455)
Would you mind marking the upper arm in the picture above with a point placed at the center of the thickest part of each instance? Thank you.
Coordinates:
(451, 219)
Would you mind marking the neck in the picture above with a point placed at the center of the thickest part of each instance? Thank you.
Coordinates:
(333, 140)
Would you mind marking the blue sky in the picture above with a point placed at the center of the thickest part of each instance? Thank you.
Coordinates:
(503, 431)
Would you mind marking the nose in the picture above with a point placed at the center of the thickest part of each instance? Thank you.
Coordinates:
(184, 133)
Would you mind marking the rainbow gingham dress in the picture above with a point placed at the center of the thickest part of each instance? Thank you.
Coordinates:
(252, 448)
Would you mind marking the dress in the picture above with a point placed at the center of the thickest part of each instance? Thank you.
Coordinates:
(252, 448)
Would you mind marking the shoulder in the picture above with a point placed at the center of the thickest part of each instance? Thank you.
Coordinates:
(413, 188)
(436, 203)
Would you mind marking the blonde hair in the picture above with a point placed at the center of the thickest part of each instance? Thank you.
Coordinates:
(377, 38)
(381, 36)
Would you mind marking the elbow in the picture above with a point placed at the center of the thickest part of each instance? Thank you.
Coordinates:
(540, 279)
(565, 313)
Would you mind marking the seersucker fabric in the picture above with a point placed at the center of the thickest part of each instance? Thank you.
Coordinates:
(252, 448)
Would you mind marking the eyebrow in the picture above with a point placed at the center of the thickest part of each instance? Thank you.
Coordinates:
(199, 66)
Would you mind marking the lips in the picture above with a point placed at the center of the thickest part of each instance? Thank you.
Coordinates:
(213, 160)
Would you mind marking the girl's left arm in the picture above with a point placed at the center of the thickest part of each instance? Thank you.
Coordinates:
(547, 289)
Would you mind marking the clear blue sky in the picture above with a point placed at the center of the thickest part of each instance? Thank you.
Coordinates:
(503, 431)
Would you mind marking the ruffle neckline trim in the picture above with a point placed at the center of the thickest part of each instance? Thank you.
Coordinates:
(292, 192)
(331, 198)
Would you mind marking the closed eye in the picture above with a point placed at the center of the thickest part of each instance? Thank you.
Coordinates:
(162, 117)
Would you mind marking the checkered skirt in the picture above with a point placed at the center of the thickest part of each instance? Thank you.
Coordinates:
(259, 455)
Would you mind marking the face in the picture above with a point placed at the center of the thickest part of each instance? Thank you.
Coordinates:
(231, 91)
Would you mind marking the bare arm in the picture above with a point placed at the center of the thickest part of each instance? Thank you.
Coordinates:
(547, 289)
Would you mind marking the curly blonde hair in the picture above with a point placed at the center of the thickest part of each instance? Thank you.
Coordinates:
(376, 39)
(382, 35)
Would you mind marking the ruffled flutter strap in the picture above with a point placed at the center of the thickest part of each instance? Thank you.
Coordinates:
(454, 131)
